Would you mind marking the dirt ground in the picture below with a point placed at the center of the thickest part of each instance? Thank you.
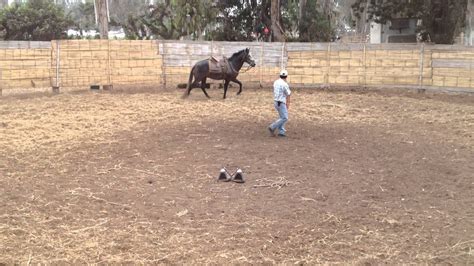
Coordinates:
(364, 178)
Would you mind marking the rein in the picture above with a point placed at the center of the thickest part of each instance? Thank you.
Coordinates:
(248, 68)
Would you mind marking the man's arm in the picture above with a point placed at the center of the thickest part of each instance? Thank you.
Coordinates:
(288, 102)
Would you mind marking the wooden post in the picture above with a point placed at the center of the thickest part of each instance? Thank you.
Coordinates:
(311, 64)
(420, 79)
(282, 66)
(328, 64)
(109, 85)
(1, 84)
(365, 66)
(261, 65)
(56, 86)
(470, 71)
(163, 63)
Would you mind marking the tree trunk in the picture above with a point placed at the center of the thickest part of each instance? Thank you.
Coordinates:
(302, 6)
(102, 18)
(470, 22)
(277, 30)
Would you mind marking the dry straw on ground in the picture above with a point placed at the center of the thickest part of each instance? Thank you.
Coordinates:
(128, 178)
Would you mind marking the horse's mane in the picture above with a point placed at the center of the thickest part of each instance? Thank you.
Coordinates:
(237, 54)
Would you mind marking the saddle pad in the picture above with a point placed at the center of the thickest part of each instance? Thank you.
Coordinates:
(219, 67)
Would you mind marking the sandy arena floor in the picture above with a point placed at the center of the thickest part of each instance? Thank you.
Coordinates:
(364, 177)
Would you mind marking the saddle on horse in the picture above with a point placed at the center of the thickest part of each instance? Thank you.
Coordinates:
(221, 67)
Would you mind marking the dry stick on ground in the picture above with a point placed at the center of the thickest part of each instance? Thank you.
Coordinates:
(89, 227)
(279, 183)
(99, 199)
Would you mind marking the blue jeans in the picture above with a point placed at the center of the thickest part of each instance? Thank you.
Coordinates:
(283, 117)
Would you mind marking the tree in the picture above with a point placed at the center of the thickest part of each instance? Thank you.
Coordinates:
(172, 19)
(314, 26)
(120, 10)
(232, 20)
(442, 19)
(101, 7)
(236, 20)
(301, 8)
(39, 20)
(82, 15)
(3, 3)
(277, 30)
(469, 21)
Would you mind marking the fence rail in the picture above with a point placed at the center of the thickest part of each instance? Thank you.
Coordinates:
(81, 63)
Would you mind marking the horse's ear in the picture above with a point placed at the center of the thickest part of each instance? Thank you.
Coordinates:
(247, 50)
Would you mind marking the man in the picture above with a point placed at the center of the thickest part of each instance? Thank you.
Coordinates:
(281, 97)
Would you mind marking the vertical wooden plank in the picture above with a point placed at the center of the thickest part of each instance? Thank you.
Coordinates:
(109, 78)
(1, 81)
(365, 66)
(109, 85)
(422, 57)
(56, 88)
(261, 65)
(164, 63)
(471, 85)
(328, 65)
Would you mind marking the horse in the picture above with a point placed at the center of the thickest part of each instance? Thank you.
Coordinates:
(226, 69)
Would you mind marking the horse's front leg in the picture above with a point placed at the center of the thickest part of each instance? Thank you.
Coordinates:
(226, 85)
(240, 85)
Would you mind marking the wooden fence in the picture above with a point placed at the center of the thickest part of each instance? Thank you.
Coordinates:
(81, 63)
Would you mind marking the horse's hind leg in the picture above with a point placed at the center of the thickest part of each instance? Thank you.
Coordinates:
(191, 85)
(203, 87)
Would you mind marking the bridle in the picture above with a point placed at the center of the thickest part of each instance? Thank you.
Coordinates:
(248, 68)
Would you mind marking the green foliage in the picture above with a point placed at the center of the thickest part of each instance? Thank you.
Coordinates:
(38, 20)
(172, 19)
(442, 19)
(224, 20)
(83, 17)
(314, 26)
(290, 19)
(236, 21)
(134, 28)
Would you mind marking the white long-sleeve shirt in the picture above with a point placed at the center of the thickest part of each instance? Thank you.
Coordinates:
(281, 90)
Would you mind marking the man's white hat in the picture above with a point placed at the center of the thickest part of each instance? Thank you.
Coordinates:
(283, 73)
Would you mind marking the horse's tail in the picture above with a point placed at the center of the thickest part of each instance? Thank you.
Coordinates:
(188, 87)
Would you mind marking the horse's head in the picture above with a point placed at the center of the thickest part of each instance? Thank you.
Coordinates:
(248, 58)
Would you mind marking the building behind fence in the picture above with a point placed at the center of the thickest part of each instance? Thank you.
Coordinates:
(82, 63)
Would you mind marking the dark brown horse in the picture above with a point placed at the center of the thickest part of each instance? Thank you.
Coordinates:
(226, 69)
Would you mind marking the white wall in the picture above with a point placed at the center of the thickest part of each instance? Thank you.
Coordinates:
(375, 32)
(379, 33)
